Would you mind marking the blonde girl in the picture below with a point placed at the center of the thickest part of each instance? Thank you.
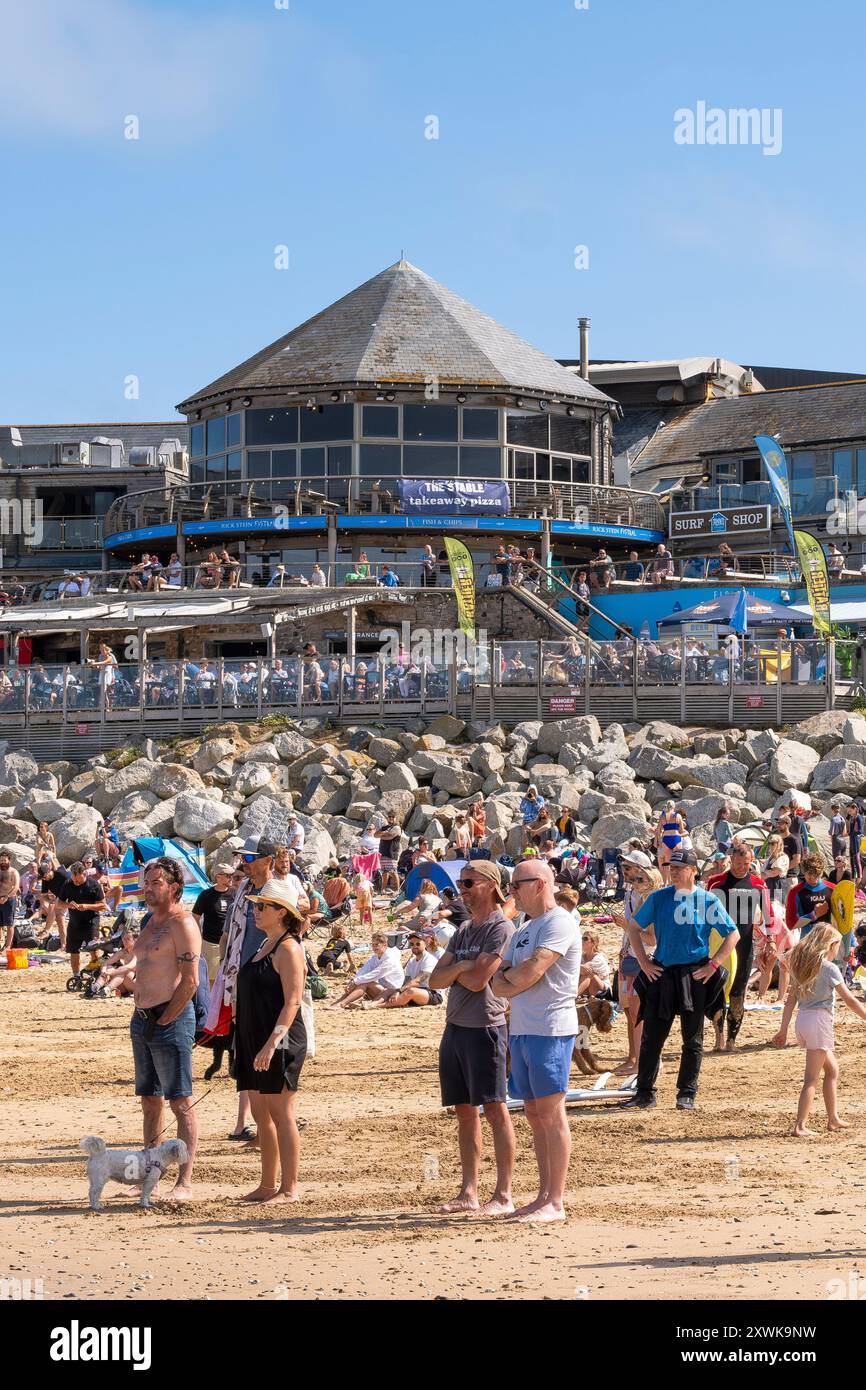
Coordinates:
(363, 899)
(641, 882)
(815, 981)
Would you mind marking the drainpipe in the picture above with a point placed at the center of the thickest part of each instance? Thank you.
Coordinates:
(584, 348)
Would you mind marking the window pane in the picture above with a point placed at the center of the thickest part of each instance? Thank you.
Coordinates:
(312, 463)
(327, 422)
(572, 436)
(380, 459)
(259, 465)
(284, 463)
(272, 426)
(196, 441)
(339, 459)
(843, 467)
(196, 472)
(216, 469)
(542, 468)
(283, 489)
(524, 464)
(381, 421)
(580, 470)
(562, 470)
(480, 424)
(429, 422)
(216, 436)
(233, 429)
(528, 429)
(479, 462)
(429, 460)
(233, 464)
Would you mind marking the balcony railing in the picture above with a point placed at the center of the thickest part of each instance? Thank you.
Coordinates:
(358, 496)
(65, 533)
(807, 499)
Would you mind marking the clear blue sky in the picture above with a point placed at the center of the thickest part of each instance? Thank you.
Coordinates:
(261, 127)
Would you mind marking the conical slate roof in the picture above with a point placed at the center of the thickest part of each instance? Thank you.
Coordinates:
(400, 327)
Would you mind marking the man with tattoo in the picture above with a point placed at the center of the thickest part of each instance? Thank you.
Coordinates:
(163, 1024)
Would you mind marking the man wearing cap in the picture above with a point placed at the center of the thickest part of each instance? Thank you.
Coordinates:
(540, 975)
(683, 978)
(473, 1048)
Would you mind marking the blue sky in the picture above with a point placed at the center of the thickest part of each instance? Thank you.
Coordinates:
(305, 127)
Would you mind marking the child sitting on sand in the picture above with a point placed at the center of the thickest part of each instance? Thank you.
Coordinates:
(815, 982)
(595, 967)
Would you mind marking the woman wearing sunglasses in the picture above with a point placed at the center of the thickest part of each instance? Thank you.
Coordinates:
(270, 1037)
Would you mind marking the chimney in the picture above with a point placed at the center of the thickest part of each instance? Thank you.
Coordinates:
(584, 348)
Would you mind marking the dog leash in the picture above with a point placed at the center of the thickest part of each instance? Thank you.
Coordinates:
(192, 1107)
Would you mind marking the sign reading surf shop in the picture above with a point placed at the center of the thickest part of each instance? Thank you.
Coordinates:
(454, 497)
(725, 521)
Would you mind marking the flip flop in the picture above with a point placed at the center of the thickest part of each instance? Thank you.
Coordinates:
(246, 1134)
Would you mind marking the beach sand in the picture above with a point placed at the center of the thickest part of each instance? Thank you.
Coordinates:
(717, 1204)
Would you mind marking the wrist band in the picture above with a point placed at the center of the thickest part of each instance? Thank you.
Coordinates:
(714, 964)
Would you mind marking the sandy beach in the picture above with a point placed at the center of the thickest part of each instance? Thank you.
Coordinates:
(718, 1204)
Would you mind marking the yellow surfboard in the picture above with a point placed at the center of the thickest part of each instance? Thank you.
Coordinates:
(730, 964)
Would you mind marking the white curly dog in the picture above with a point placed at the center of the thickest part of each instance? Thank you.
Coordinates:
(140, 1167)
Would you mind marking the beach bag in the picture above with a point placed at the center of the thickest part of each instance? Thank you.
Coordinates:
(219, 1014)
(318, 988)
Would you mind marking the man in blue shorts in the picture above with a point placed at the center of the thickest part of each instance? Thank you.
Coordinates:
(682, 979)
(540, 975)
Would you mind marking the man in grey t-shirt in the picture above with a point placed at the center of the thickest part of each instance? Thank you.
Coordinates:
(540, 976)
(473, 1047)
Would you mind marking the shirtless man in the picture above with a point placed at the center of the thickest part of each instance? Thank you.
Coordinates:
(163, 1024)
(9, 886)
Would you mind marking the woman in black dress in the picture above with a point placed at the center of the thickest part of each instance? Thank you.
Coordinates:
(270, 1038)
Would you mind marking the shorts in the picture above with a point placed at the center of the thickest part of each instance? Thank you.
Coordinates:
(77, 937)
(814, 1029)
(434, 997)
(388, 866)
(472, 1065)
(163, 1065)
(539, 1066)
(7, 913)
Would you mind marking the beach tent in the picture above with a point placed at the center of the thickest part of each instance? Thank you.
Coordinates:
(724, 611)
(444, 874)
(147, 847)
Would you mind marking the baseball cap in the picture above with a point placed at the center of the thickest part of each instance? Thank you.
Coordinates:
(260, 846)
(684, 856)
(283, 892)
(638, 858)
(484, 868)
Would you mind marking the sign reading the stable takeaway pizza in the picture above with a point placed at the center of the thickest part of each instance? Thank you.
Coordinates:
(725, 521)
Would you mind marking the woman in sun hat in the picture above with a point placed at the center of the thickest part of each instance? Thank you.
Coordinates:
(270, 1037)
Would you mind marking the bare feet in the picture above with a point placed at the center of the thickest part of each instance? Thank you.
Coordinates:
(180, 1193)
(287, 1194)
(497, 1206)
(459, 1205)
(549, 1212)
(528, 1207)
(834, 1125)
(730, 1045)
(627, 1068)
(801, 1132)
(261, 1194)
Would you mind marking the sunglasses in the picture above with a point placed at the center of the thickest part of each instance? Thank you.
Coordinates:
(470, 882)
(250, 858)
(260, 907)
(521, 882)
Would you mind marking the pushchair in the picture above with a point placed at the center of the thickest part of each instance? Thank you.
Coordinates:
(100, 947)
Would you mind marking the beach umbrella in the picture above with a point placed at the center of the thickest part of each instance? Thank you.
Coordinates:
(721, 610)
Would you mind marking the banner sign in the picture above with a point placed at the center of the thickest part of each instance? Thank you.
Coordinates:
(463, 579)
(723, 522)
(457, 496)
(777, 469)
(814, 566)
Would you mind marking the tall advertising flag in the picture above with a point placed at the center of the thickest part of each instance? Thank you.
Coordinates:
(777, 467)
(463, 579)
(814, 566)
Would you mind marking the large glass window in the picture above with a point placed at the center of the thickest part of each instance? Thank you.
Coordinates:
(532, 430)
(478, 461)
(430, 422)
(380, 459)
(272, 426)
(430, 460)
(284, 463)
(561, 470)
(197, 472)
(327, 422)
(233, 430)
(570, 434)
(312, 463)
(216, 435)
(339, 460)
(233, 465)
(216, 469)
(861, 471)
(522, 464)
(196, 441)
(480, 424)
(843, 468)
(381, 422)
(259, 464)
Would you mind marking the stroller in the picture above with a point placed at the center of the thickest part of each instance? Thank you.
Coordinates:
(100, 947)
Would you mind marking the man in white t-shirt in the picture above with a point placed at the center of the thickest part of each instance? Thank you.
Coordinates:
(295, 835)
(540, 975)
(415, 988)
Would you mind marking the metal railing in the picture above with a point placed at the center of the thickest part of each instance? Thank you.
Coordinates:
(807, 499)
(66, 533)
(360, 495)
